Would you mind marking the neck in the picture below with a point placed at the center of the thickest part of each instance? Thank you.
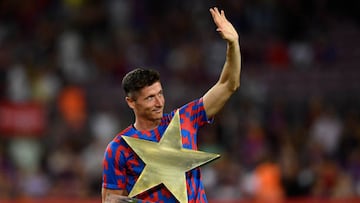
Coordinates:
(146, 125)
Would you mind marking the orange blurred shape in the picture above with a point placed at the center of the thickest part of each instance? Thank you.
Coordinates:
(269, 188)
(72, 106)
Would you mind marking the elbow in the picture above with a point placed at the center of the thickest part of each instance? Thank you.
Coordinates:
(234, 87)
(229, 86)
(234, 84)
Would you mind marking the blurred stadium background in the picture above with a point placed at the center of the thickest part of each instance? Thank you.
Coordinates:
(291, 133)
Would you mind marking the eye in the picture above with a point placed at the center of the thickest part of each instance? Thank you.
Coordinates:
(149, 98)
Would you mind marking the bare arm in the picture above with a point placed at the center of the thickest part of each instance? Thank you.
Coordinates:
(229, 80)
(109, 196)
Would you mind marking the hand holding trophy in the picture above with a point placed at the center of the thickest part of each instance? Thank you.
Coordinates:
(113, 198)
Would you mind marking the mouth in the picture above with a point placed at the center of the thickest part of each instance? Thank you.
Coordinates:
(157, 110)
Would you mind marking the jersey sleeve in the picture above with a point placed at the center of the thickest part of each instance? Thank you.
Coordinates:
(114, 171)
(196, 112)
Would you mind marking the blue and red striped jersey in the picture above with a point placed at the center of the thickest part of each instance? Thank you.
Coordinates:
(122, 167)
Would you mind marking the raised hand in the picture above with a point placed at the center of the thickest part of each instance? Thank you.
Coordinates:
(224, 27)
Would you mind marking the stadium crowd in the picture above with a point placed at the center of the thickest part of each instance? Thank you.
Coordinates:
(292, 130)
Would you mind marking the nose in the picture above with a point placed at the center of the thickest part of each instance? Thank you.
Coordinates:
(159, 100)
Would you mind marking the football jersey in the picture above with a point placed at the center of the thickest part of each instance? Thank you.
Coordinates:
(122, 167)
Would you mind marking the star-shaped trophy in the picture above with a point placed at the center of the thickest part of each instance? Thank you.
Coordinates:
(166, 161)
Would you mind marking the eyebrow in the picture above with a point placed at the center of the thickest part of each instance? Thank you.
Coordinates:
(151, 95)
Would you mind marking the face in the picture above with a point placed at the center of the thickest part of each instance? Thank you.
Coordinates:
(148, 103)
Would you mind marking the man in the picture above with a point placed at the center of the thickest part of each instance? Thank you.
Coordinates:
(144, 95)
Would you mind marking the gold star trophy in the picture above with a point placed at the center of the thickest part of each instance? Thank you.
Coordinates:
(166, 161)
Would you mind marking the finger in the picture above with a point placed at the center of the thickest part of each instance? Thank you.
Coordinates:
(212, 12)
(215, 17)
(217, 11)
(223, 15)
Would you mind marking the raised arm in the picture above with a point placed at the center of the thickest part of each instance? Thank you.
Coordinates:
(229, 80)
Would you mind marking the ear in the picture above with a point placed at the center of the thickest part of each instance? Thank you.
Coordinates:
(130, 102)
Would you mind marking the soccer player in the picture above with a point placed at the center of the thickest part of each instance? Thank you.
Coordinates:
(144, 95)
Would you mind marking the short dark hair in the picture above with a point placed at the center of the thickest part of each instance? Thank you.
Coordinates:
(139, 78)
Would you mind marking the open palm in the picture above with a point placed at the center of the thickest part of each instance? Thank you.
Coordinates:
(224, 27)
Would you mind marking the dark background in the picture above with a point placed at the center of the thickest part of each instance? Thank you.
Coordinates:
(295, 116)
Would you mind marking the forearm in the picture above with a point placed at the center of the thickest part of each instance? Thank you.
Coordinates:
(230, 75)
(228, 82)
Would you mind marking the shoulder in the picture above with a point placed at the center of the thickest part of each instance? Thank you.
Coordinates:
(191, 110)
(193, 107)
(195, 104)
(118, 141)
